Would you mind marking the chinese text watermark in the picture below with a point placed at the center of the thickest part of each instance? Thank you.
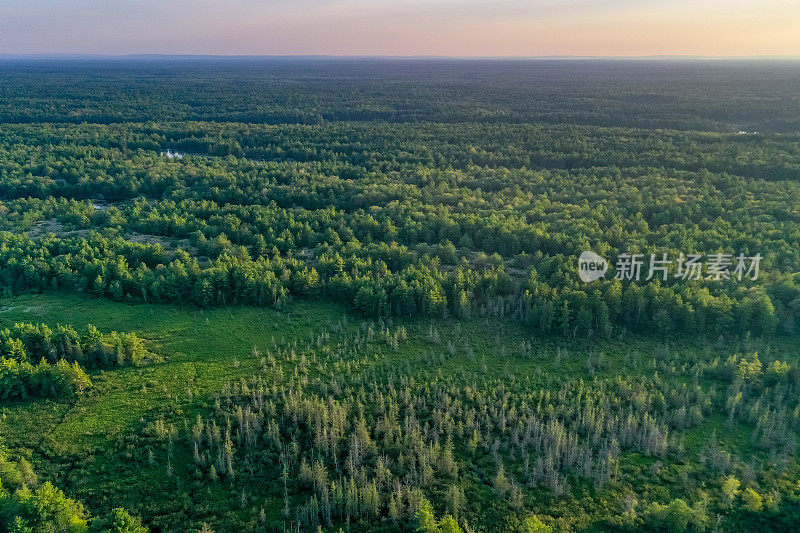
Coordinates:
(637, 267)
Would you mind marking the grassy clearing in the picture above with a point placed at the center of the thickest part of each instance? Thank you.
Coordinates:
(89, 446)
(201, 350)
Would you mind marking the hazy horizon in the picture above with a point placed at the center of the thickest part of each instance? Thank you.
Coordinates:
(378, 28)
(168, 56)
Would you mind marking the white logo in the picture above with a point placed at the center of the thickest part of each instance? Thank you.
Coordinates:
(635, 267)
(591, 266)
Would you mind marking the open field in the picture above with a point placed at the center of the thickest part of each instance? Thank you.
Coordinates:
(96, 446)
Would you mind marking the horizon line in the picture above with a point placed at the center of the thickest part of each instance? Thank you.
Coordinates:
(758, 57)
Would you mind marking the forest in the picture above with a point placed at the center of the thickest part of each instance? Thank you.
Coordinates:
(343, 295)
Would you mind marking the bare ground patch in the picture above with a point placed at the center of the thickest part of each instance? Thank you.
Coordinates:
(53, 226)
(169, 243)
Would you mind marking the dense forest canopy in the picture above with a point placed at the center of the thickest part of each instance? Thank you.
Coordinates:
(424, 354)
(703, 95)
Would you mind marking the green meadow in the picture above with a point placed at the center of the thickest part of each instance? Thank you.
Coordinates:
(99, 445)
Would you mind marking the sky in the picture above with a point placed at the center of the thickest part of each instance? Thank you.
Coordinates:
(461, 28)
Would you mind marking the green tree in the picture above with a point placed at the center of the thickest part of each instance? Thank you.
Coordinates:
(534, 524)
(674, 517)
(501, 483)
(426, 521)
(564, 319)
(584, 321)
(118, 521)
(46, 509)
(752, 500)
(448, 524)
(730, 489)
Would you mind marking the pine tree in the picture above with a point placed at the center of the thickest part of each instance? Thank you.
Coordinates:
(752, 500)
(448, 524)
(426, 521)
(730, 489)
(501, 483)
(533, 524)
